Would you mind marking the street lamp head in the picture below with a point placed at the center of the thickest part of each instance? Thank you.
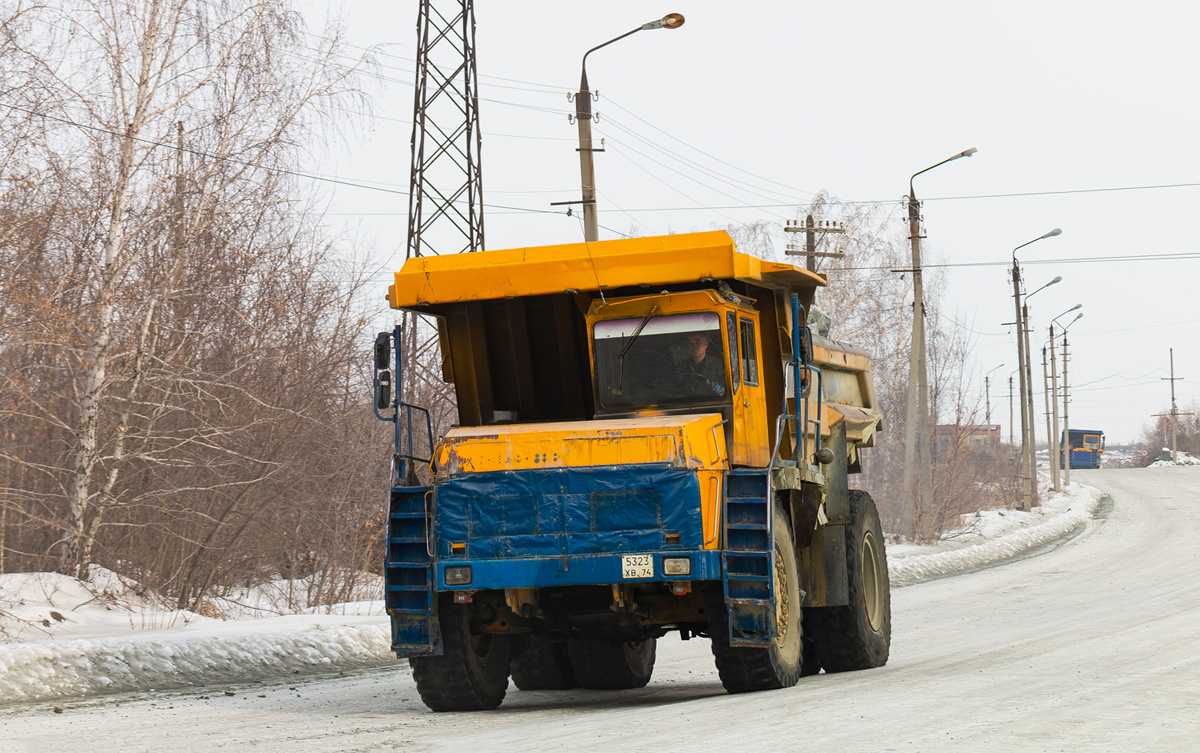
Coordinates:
(1051, 234)
(966, 153)
(1060, 316)
(669, 21)
(1055, 281)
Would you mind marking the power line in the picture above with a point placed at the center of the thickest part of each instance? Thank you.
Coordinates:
(245, 163)
(1079, 260)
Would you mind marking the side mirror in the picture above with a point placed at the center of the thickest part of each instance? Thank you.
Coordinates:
(383, 351)
(806, 345)
(383, 389)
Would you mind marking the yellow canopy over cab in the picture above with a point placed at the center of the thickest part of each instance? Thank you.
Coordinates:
(603, 265)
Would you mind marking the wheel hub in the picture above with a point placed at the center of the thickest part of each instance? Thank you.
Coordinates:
(782, 598)
(872, 591)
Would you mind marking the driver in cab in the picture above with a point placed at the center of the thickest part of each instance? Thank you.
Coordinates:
(702, 373)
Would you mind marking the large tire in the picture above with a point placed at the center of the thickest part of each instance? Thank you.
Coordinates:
(607, 665)
(539, 663)
(858, 635)
(472, 672)
(780, 664)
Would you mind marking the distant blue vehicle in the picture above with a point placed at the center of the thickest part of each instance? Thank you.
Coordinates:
(1082, 448)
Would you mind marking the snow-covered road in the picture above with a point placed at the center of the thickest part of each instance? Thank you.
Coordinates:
(1092, 646)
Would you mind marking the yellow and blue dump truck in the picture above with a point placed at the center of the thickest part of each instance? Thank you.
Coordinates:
(631, 460)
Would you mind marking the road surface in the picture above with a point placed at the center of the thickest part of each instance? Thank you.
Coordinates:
(1091, 646)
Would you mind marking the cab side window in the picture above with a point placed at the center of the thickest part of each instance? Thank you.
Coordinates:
(735, 375)
(749, 353)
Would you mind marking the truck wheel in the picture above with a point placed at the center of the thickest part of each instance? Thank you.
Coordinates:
(858, 635)
(604, 665)
(472, 673)
(778, 665)
(540, 663)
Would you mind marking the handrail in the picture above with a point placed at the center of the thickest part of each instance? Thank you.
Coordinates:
(403, 429)
(799, 416)
(817, 431)
(409, 408)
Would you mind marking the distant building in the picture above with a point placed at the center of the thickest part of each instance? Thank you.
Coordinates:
(976, 435)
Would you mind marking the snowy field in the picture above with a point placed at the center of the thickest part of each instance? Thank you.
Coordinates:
(61, 638)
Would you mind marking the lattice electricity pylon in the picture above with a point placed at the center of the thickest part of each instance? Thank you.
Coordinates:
(445, 203)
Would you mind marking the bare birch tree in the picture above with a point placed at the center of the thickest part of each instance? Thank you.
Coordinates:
(175, 272)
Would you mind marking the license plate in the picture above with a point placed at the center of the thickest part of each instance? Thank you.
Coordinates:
(637, 566)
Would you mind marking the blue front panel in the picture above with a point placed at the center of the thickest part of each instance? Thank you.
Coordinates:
(571, 571)
(556, 512)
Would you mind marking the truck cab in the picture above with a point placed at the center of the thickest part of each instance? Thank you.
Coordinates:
(680, 353)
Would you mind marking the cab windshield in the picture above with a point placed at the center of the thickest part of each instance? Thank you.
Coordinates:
(674, 359)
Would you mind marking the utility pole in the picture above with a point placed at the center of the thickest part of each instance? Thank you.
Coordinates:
(1022, 357)
(583, 119)
(1024, 354)
(1066, 417)
(916, 432)
(587, 166)
(1055, 439)
(918, 449)
(810, 230)
(1046, 393)
(1174, 414)
(1010, 409)
(987, 397)
(1033, 493)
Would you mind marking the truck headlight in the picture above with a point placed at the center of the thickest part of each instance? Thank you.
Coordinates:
(458, 576)
(677, 566)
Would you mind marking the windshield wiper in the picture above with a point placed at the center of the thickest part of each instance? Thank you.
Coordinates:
(632, 338)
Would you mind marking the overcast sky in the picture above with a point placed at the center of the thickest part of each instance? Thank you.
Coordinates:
(742, 113)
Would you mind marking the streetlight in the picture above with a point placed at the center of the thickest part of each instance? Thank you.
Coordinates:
(916, 497)
(583, 118)
(1028, 451)
(1066, 421)
(1029, 380)
(1055, 436)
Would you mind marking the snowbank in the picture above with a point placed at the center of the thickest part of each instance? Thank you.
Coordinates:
(265, 648)
(994, 536)
(1181, 458)
(63, 638)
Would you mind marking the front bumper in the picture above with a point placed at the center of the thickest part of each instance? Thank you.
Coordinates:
(573, 570)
